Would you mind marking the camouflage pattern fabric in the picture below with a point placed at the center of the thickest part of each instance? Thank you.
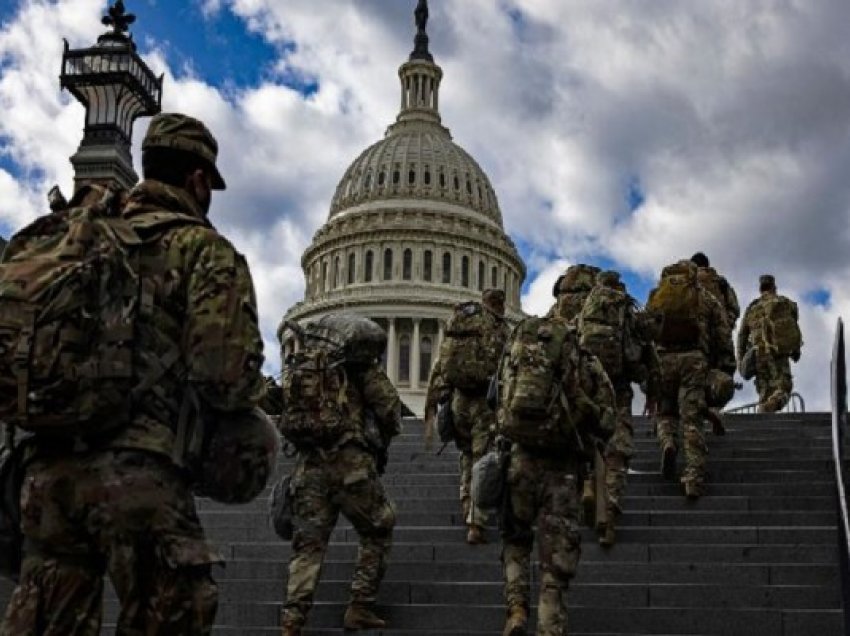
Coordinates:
(476, 422)
(437, 388)
(719, 287)
(203, 296)
(80, 524)
(620, 449)
(774, 381)
(684, 377)
(323, 485)
(543, 494)
(343, 479)
(683, 399)
(568, 306)
(200, 294)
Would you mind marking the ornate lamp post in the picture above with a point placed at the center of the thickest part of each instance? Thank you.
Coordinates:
(116, 87)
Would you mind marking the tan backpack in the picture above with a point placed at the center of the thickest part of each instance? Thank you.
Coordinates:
(778, 329)
(677, 300)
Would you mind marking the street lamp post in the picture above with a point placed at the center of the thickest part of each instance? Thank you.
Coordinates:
(116, 87)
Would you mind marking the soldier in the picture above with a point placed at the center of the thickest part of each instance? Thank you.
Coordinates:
(545, 359)
(694, 338)
(118, 503)
(770, 327)
(338, 469)
(475, 337)
(571, 290)
(719, 287)
(609, 328)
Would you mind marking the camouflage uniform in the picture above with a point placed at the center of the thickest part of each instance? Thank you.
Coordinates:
(719, 287)
(475, 423)
(571, 290)
(544, 493)
(78, 521)
(343, 478)
(684, 378)
(774, 382)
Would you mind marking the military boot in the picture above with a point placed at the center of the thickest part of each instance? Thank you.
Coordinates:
(475, 535)
(290, 626)
(588, 502)
(668, 460)
(517, 621)
(359, 616)
(693, 488)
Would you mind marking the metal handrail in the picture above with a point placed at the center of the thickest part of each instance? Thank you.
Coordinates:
(796, 404)
(838, 385)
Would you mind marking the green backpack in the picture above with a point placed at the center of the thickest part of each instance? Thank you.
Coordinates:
(677, 299)
(779, 330)
(469, 355)
(316, 409)
(534, 407)
(604, 326)
(70, 295)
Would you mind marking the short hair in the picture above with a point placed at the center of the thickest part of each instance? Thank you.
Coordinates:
(171, 166)
(700, 260)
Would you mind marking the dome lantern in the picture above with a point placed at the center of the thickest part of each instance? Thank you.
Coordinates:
(420, 76)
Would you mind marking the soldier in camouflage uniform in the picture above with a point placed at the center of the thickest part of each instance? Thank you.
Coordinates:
(719, 287)
(571, 290)
(622, 372)
(344, 478)
(119, 505)
(543, 493)
(684, 371)
(474, 420)
(773, 369)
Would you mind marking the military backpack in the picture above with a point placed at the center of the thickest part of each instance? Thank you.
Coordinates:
(606, 329)
(539, 373)
(677, 300)
(776, 326)
(71, 292)
(469, 355)
(317, 411)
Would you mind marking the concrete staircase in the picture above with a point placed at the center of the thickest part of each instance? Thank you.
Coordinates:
(756, 556)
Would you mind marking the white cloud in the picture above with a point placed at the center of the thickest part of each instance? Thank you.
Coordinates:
(732, 118)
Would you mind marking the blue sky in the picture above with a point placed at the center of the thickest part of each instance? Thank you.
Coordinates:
(679, 126)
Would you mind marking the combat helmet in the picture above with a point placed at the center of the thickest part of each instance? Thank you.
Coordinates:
(240, 457)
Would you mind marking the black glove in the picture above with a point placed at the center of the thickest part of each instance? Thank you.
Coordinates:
(795, 356)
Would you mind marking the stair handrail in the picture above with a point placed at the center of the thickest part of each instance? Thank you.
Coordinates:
(796, 404)
(838, 386)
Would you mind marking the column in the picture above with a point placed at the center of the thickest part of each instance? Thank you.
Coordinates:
(392, 351)
(415, 355)
(441, 333)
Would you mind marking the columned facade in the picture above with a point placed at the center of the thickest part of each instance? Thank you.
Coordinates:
(414, 228)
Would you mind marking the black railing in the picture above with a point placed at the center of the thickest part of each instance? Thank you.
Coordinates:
(839, 426)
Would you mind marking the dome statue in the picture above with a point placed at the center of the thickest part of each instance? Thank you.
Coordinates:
(414, 228)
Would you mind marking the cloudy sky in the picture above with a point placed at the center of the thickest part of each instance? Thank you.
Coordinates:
(626, 134)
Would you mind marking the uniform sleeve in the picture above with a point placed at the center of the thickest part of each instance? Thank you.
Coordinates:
(723, 353)
(380, 396)
(595, 400)
(731, 300)
(224, 350)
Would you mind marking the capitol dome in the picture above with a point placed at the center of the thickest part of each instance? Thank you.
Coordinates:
(414, 228)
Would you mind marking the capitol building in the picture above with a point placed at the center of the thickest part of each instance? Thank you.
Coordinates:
(414, 228)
